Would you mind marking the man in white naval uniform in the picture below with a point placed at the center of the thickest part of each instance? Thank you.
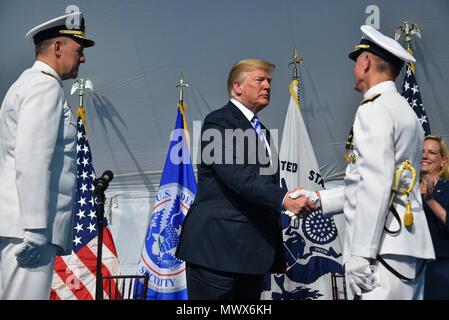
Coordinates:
(37, 161)
(385, 133)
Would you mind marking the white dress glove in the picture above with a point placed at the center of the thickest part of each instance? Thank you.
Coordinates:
(303, 193)
(30, 250)
(360, 276)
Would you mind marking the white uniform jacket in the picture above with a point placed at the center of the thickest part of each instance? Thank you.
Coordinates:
(386, 132)
(37, 158)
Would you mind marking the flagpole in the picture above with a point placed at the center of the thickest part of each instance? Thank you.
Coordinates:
(408, 30)
(410, 89)
(295, 83)
(182, 84)
(296, 60)
(100, 200)
(181, 106)
(81, 85)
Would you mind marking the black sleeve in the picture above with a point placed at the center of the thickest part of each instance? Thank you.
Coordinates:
(443, 200)
(445, 205)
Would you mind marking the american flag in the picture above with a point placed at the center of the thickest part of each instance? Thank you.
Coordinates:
(410, 91)
(74, 276)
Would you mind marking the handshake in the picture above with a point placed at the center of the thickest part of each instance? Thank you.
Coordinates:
(300, 201)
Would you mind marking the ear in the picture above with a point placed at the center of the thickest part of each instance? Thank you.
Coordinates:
(236, 86)
(366, 62)
(57, 47)
(443, 161)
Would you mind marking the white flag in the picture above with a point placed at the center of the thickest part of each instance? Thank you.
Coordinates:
(311, 244)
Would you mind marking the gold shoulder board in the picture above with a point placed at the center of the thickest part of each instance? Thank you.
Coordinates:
(49, 74)
(370, 99)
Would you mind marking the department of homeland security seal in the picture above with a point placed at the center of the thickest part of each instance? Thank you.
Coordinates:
(166, 272)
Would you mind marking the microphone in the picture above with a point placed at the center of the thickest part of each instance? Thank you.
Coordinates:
(102, 183)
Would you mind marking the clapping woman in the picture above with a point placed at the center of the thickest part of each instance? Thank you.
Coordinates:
(434, 185)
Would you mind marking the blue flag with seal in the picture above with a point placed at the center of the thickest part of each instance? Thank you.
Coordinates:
(177, 189)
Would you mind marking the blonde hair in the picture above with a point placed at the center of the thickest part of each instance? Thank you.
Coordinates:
(444, 152)
(235, 75)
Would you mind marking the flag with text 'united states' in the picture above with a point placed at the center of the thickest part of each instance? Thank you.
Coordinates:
(311, 243)
(410, 91)
(177, 189)
(74, 276)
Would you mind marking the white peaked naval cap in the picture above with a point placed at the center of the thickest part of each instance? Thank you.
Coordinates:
(69, 25)
(382, 46)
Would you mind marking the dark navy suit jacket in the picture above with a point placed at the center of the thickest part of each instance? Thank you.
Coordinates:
(233, 224)
(438, 230)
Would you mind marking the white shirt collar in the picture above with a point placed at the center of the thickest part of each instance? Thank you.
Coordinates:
(246, 112)
(42, 66)
(249, 115)
(380, 88)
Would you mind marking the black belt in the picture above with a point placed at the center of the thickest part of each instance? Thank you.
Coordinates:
(397, 274)
(398, 219)
(385, 264)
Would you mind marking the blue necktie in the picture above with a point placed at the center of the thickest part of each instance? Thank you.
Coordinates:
(258, 127)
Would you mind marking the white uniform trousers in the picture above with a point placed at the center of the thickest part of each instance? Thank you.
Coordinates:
(393, 288)
(18, 283)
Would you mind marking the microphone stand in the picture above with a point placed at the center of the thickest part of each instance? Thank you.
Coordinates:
(100, 224)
